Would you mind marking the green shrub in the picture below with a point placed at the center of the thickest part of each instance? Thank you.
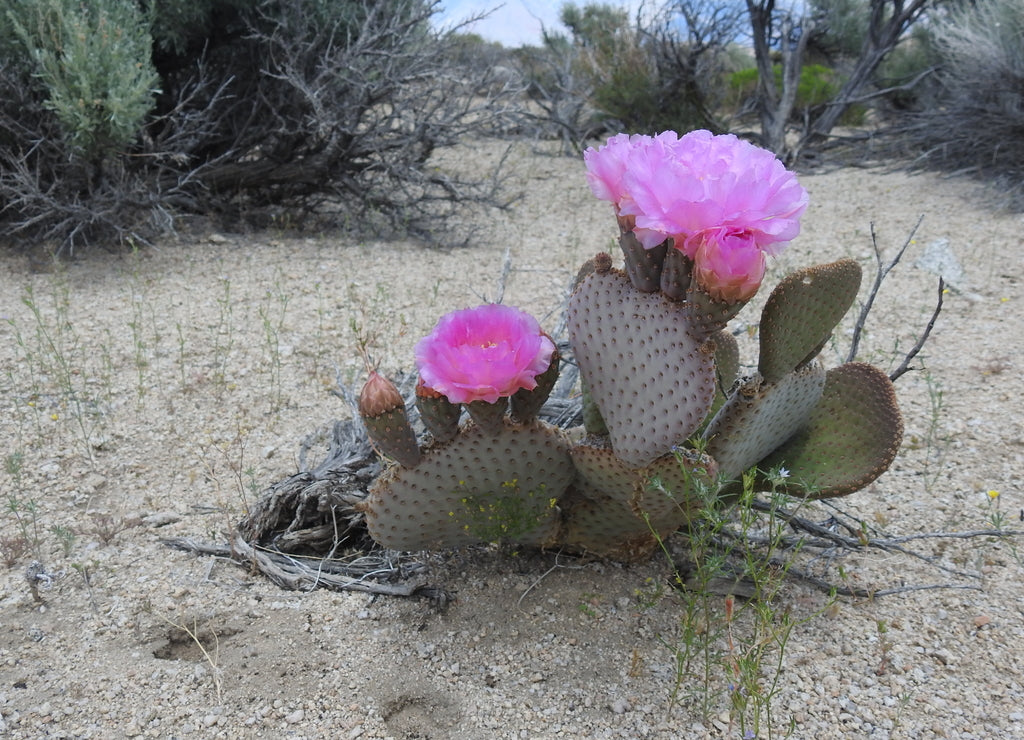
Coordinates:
(641, 79)
(907, 63)
(93, 62)
(976, 122)
(118, 116)
(818, 84)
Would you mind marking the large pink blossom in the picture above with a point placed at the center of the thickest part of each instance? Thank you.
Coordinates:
(728, 265)
(607, 166)
(483, 353)
(676, 187)
(701, 181)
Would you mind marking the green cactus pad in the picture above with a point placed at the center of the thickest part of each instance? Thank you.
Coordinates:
(607, 528)
(439, 415)
(652, 381)
(592, 421)
(676, 273)
(525, 404)
(601, 473)
(382, 409)
(393, 436)
(676, 499)
(707, 315)
(488, 416)
(851, 437)
(761, 416)
(642, 265)
(801, 313)
(479, 487)
(727, 367)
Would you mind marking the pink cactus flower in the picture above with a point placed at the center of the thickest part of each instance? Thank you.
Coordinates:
(728, 265)
(608, 164)
(678, 186)
(483, 353)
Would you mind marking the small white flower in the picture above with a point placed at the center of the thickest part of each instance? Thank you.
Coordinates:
(783, 473)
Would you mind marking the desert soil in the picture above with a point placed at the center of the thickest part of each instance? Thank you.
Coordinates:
(154, 395)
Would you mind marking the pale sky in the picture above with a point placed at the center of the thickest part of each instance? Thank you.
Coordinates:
(513, 22)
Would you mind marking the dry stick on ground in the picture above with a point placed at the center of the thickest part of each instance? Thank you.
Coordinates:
(826, 538)
(905, 365)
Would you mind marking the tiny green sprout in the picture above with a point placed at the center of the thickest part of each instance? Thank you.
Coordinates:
(862, 534)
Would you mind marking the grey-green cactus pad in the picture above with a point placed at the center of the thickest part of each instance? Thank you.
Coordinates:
(607, 528)
(676, 499)
(393, 436)
(602, 474)
(761, 416)
(479, 487)
(727, 368)
(652, 381)
(851, 437)
(801, 313)
(601, 519)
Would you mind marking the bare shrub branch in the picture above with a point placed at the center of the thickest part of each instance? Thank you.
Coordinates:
(328, 113)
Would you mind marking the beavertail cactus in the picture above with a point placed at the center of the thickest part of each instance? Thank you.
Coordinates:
(670, 426)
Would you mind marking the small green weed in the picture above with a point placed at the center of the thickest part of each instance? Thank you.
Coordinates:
(733, 634)
(505, 517)
(25, 511)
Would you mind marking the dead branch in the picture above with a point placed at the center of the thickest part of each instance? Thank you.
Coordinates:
(905, 365)
(881, 272)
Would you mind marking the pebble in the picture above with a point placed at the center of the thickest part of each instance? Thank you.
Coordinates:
(620, 706)
(295, 717)
(161, 519)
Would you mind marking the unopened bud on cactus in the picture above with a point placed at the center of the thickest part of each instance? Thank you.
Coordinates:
(440, 416)
(526, 402)
(383, 412)
(676, 273)
(728, 265)
(602, 263)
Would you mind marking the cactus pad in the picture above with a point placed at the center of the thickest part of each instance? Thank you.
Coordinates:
(382, 410)
(850, 439)
(600, 519)
(608, 528)
(642, 265)
(479, 487)
(761, 416)
(652, 381)
(439, 415)
(677, 498)
(601, 474)
(524, 404)
(801, 313)
(727, 368)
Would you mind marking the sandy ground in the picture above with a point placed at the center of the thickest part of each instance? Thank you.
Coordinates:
(154, 395)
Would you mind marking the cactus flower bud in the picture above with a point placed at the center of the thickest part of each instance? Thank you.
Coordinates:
(383, 412)
(379, 396)
(728, 265)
